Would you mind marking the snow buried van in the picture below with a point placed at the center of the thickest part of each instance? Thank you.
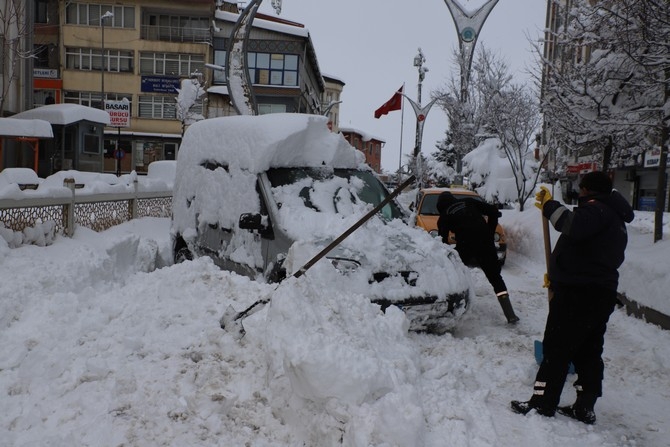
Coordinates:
(261, 195)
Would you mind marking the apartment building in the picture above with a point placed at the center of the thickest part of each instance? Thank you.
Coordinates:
(149, 48)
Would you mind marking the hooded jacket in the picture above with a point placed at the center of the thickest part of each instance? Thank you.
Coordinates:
(593, 239)
(465, 218)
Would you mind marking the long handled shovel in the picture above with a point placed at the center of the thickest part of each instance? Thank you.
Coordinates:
(547, 254)
(550, 293)
(233, 319)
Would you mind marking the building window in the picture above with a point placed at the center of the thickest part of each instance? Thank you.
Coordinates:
(41, 11)
(171, 64)
(89, 59)
(85, 14)
(220, 60)
(157, 107)
(175, 28)
(92, 99)
(264, 68)
(266, 109)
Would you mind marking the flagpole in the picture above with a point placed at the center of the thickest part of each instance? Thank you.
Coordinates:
(402, 120)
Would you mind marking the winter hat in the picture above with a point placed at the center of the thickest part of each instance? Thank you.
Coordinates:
(597, 181)
(444, 201)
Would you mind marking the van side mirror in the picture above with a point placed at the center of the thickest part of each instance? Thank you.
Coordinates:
(251, 221)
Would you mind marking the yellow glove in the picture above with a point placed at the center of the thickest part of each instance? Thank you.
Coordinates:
(546, 281)
(542, 197)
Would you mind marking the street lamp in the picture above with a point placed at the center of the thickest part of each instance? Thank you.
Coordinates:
(419, 60)
(107, 15)
(421, 114)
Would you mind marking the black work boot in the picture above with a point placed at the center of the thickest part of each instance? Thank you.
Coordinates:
(525, 408)
(582, 409)
(503, 299)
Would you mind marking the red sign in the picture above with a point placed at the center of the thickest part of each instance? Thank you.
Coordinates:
(582, 168)
(421, 117)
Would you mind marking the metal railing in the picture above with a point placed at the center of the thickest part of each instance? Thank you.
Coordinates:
(95, 211)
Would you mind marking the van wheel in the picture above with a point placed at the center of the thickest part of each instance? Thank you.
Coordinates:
(181, 252)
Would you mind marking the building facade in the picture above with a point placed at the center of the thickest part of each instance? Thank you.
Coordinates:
(369, 145)
(132, 55)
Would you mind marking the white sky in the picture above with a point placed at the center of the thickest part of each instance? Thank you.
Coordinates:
(370, 45)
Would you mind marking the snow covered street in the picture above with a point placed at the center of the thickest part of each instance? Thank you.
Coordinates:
(104, 343)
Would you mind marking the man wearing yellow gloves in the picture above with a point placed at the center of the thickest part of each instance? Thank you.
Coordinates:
(583, 276)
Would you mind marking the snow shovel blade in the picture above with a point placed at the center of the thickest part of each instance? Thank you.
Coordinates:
(230, 321)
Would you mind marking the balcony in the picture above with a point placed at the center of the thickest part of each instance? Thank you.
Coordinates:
(176, 34)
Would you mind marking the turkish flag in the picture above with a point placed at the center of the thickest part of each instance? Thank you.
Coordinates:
(395, 103)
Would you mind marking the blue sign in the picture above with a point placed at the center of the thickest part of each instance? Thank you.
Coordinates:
(646, 203)
(160, 84)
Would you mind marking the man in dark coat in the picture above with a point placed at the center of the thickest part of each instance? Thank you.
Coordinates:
(474, 233)
(583, 276)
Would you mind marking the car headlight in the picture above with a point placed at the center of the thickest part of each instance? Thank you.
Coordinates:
(434, 233)
(344, 265)
(496, 237)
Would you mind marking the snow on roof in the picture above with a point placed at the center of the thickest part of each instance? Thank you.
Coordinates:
(64, 114)
(265, 24)
(364, 135)
(256, 143)
(332, 78)
(12, 127)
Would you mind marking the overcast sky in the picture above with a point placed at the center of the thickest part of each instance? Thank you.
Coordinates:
(370, 45)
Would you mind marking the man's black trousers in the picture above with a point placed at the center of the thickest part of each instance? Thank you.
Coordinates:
(575, 332)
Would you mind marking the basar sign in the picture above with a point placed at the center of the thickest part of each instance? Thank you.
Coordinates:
(119, 113)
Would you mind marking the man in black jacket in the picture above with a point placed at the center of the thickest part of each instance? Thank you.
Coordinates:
(474, 232)
(583, 276)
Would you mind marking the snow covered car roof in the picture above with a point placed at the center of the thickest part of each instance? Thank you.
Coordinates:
(257, 143)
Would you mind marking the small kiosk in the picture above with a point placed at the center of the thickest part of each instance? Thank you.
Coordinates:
(77, 137)
(22, 138)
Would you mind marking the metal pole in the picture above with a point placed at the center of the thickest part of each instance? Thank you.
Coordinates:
(106, 15)
(102, 72)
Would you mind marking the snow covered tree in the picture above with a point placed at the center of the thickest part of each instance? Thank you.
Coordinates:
(467, 120)
(607, 94)
(441, 163)
(514, 116)
(189, 106)
(14, 51)
(501, 116)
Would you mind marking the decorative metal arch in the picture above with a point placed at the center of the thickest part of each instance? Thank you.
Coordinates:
(468, 26)
(240, 87)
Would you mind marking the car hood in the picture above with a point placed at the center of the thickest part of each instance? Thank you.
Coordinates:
(393, 261)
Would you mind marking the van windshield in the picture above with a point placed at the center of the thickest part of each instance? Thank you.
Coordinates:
(340, 191)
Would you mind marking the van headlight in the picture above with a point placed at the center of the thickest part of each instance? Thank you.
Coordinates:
(344, 265)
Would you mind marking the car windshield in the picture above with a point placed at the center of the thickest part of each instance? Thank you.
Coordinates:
(429, 203)
(341, 191)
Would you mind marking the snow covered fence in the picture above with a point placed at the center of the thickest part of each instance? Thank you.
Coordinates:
(61, 213)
